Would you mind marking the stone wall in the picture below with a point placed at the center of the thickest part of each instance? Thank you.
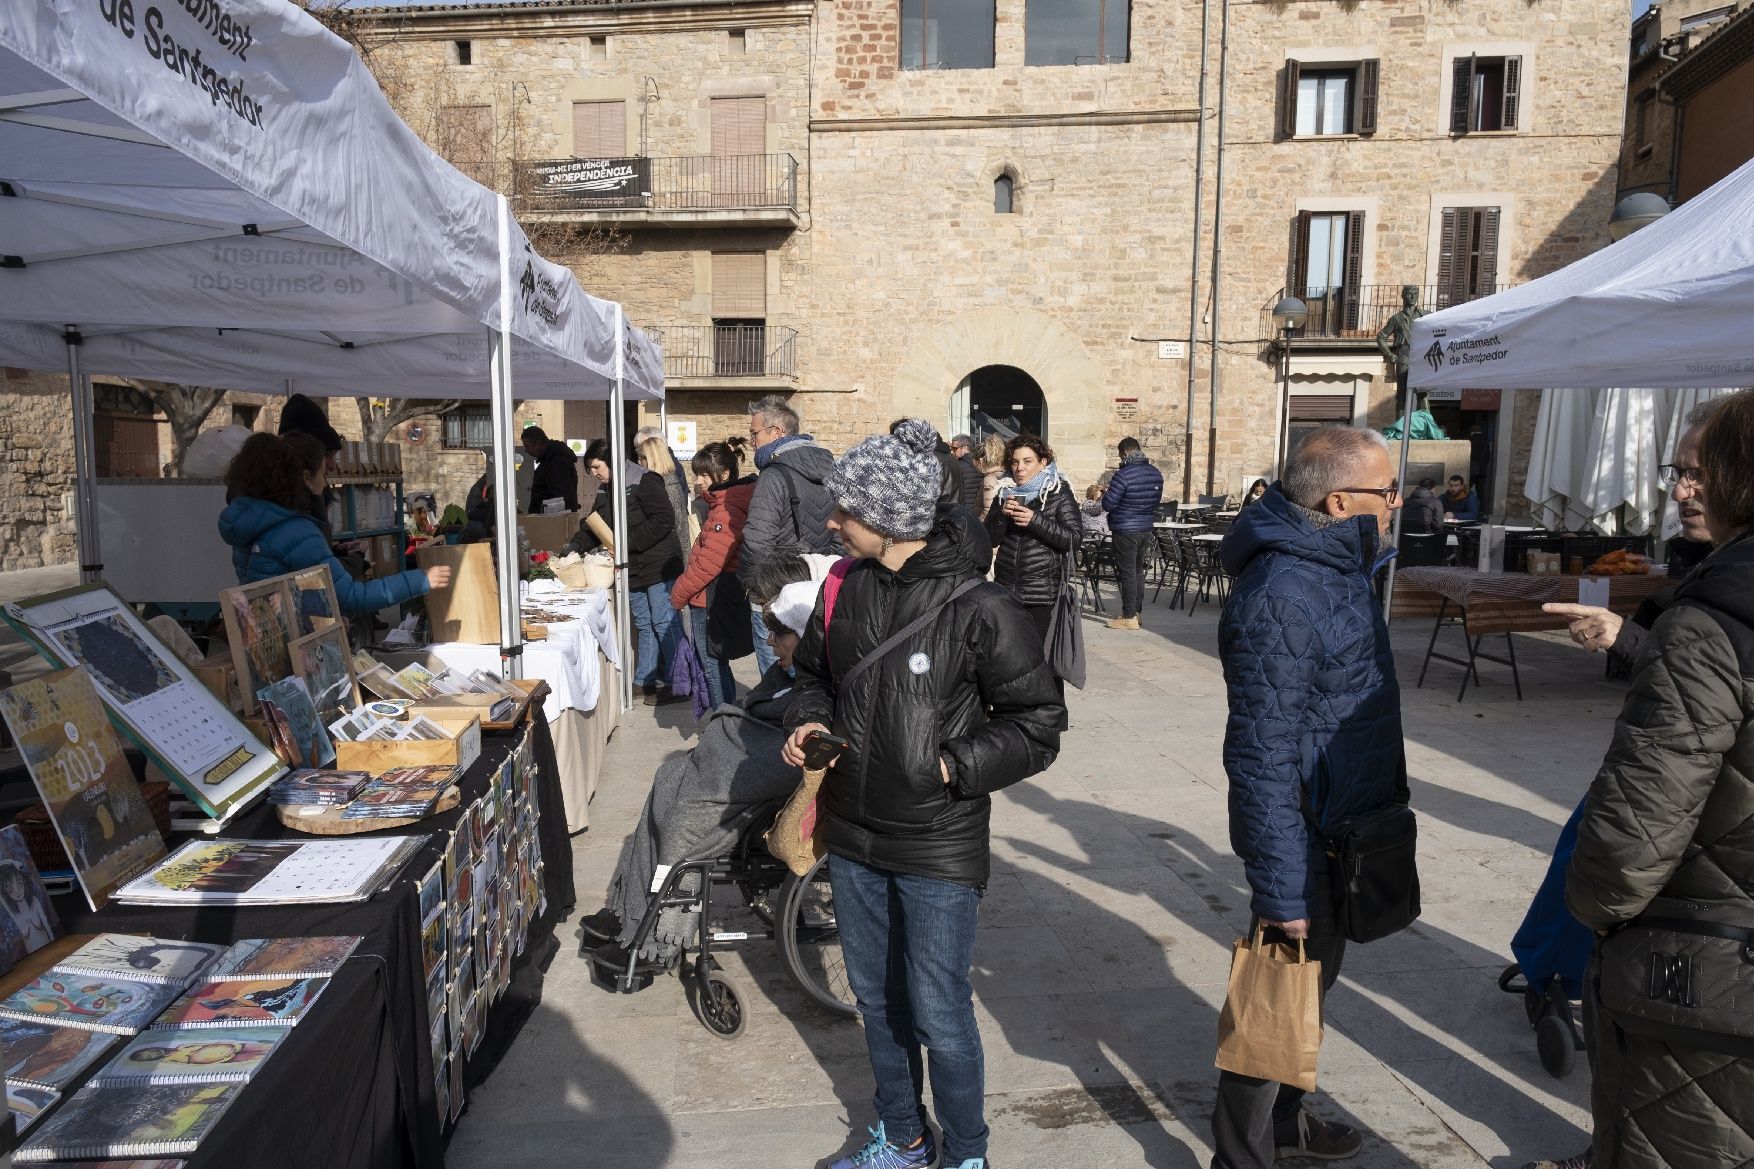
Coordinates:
(36, 475)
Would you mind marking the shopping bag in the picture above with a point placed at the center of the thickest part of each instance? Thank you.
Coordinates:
(1065, 640)
(1271, 1025)
(795, 837)
(729, 635)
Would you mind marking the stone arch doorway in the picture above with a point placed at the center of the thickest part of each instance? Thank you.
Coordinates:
(1072, 388)
(1001, 400)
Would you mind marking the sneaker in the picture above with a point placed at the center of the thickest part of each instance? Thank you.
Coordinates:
(1326, 1140)
(879, 1153)
(602, 926)
(1583, 1160)
(972, 1163)
(651, 694)
(1123, 623)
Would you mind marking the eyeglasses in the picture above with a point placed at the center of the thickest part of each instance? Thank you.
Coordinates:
(1389, 494)
(1672, 474)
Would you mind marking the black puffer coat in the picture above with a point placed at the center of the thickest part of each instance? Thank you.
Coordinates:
(1669, 823)
(654, 556)
(971, 687)
(1031, 560)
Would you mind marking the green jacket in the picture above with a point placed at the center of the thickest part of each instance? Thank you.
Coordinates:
(1671, 814)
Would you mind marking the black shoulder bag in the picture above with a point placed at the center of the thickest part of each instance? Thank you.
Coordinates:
(1374, 869)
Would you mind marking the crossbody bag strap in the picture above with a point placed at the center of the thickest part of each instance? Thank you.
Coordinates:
(907, 631)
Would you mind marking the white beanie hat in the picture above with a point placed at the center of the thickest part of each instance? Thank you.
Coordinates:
(792, 608)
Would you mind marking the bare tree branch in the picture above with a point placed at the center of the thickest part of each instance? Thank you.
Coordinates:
(186, 407)
(379, 416)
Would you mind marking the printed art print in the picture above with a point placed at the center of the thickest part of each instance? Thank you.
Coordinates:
(260, 628)
(211, 1052)
(284, 957)
(28, 921)
(224, 866)
(76, 760)
(262, 1000)
(86, 1000)
(49, 1056)
(131, 1114)
(325, 665)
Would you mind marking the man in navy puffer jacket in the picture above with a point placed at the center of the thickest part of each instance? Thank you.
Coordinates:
(1131, 500)
(1314, 709)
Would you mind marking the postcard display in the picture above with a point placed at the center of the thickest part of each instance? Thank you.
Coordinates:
(196, 741)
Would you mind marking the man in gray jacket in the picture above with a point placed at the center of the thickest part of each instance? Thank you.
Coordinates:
(791, 505)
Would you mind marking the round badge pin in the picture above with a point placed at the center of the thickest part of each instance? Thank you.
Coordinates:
(919, 663)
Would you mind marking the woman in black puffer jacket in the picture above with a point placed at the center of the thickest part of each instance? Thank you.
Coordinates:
(1034, 522)
(962, 706)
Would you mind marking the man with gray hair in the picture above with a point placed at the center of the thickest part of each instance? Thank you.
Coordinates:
(790, 507)
(1314, 734)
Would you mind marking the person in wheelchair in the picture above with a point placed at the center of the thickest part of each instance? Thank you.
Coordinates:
(701, 802)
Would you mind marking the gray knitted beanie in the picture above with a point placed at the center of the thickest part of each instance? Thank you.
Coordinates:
(890, 481)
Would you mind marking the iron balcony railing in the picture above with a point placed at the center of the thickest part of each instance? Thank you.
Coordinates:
(728, 351)
(1344, 313)
(696, 182)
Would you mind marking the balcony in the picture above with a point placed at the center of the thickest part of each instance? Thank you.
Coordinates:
(725, 357)
(689, 191)
(1348, 318)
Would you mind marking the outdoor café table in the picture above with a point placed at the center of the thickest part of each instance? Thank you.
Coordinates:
(1176, 526)
(352, 1087)
(1500, 602)
(1209, 538)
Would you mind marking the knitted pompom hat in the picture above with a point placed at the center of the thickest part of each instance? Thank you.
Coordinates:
(890, 482)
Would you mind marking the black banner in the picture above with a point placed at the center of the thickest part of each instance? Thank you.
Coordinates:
(591, 182)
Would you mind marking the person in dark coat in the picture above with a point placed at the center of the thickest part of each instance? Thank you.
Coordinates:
(791, 505)
(963, 706)
(271, 532)
(1315, 712)
(1034, 523)
(1666, 828)
(1459, 503)
(654, 561)
(557, 473)
(1423, 513)
(1131, 500)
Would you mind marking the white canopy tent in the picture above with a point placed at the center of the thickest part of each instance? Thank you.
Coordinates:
(219, 194)
(1666, 308)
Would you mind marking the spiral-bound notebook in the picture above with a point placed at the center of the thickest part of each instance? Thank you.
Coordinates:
(90, 1002)
(202, 1055)
(105, 1121)
(39, 1055)
(263, 1001)
(284, 957)
(140, 959)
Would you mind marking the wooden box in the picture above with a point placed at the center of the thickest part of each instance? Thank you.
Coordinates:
(549, 533)
(462, 749)
(468, 609)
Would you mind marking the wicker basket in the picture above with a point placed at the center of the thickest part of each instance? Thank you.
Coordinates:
(45, 845)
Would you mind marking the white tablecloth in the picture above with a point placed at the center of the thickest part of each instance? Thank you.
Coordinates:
(567, 660)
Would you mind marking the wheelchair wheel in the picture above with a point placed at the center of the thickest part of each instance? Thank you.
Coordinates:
(810, 940)
(717, 1002)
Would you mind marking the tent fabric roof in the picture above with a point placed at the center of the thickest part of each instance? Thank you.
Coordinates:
(297, 213)
(1666, 307)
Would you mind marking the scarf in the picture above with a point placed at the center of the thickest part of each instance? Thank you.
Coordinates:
(1135, 457)
(1045, 480)
(766, 451)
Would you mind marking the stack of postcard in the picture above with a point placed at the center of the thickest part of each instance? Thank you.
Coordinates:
(166, 1090)
(401, 792)
(310, 787)
(365, 725)
(272, 872)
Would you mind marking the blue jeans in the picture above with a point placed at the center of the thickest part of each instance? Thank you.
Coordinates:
(909, 943)
(764, 655)
(720, 686)
(656, 622)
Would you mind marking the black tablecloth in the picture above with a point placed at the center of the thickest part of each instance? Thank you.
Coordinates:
(353, 1084)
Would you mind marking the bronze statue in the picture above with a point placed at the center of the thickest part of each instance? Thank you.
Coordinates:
(1395, 339)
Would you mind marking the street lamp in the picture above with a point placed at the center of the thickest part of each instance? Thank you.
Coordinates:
(1635, 211)
(1290, 313)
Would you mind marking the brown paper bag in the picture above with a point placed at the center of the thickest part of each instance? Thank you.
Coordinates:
(1271, 1026)
(795, 837)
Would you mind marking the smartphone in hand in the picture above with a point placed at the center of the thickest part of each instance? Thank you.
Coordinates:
(821, 750)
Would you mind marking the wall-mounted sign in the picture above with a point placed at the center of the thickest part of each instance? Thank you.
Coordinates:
(1171, 350)
(684, 438)
(592, 182)
(1126, 409)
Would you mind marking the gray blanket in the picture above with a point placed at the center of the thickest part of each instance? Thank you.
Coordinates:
(698, 807)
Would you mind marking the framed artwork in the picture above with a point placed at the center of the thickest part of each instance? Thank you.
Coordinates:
(324, 662)
(260, 626)
(314, 604)
(151, 695)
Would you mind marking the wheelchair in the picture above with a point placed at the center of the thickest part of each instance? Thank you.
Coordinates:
(798, 913)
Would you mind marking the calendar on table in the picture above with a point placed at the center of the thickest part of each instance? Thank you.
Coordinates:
(151, 695)
(272, 872)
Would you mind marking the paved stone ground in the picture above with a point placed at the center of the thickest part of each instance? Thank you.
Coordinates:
(1103, 952)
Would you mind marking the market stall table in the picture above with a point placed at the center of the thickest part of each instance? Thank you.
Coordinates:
(353, 1086)
(1501, 602)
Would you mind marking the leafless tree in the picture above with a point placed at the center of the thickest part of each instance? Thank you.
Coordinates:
(379, 416)
(185, 407)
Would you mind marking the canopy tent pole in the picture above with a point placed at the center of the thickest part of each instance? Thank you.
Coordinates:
(1388, 593)
(84, 465)
(618, 502)
(505, 503)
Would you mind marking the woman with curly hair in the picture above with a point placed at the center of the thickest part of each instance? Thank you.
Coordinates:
(1033, 523)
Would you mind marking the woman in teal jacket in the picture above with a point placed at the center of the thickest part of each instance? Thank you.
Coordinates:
(270, 529)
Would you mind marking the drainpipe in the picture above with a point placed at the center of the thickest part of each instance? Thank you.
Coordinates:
(1217, 251)
(1194, 250)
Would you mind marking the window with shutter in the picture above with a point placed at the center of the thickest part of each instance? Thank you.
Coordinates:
(1321, 408)
(1461, 96)
(739, 286)
(1467, 255)
(1513, 77)
(1364, 119)
(1486, 270)
(1485, 94)
(1353, 283)
(739, 141)
(599, 129)
(1297, 272)
(1288, 82)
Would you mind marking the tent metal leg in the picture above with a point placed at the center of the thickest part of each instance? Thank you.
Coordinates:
(505, 503)
(1388, 595)
(618, 498)
(84, 466)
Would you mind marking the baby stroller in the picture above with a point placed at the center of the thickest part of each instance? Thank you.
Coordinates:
(1552, 950)
(798, 913)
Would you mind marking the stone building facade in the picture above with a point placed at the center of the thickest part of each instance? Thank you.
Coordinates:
(1663, 35)
(994, 218)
